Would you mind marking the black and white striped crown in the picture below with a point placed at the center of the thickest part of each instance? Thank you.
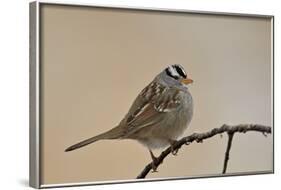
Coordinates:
(176, 71)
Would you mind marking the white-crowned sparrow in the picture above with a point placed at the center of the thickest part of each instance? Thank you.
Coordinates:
(159, 114)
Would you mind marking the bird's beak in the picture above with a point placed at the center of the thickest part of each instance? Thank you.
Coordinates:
(187, 81)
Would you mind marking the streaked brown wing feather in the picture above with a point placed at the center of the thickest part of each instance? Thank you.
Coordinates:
(151, 106)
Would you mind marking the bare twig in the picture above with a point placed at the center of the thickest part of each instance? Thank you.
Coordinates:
(226, 157)
(199, 137)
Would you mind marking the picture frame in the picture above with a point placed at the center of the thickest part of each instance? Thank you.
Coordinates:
(38, 90)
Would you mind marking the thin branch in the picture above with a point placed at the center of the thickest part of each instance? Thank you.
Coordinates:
(226, 157)
(199, 137)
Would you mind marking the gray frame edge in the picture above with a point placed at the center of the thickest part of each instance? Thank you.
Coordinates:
(34, 165)
(34, 96)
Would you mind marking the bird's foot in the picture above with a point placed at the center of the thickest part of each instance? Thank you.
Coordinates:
(154, 167)
(174, 150)
(155, 162)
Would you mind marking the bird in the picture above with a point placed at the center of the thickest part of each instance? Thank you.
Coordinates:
(159, 115)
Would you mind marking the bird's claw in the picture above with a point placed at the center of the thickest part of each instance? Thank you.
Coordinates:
(174, 150)
(154, 162)
(154, 168)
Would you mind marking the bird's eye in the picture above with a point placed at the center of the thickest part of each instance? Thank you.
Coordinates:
(179, 69)
(176, 77)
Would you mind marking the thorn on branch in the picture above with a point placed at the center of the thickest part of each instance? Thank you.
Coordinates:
(244, 131)
(264, 134)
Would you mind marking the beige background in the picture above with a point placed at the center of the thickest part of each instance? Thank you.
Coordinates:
(95, 62)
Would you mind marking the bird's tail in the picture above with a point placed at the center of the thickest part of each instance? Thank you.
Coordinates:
(114, 133)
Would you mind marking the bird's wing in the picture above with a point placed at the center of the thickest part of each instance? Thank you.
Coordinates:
(151, 106)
